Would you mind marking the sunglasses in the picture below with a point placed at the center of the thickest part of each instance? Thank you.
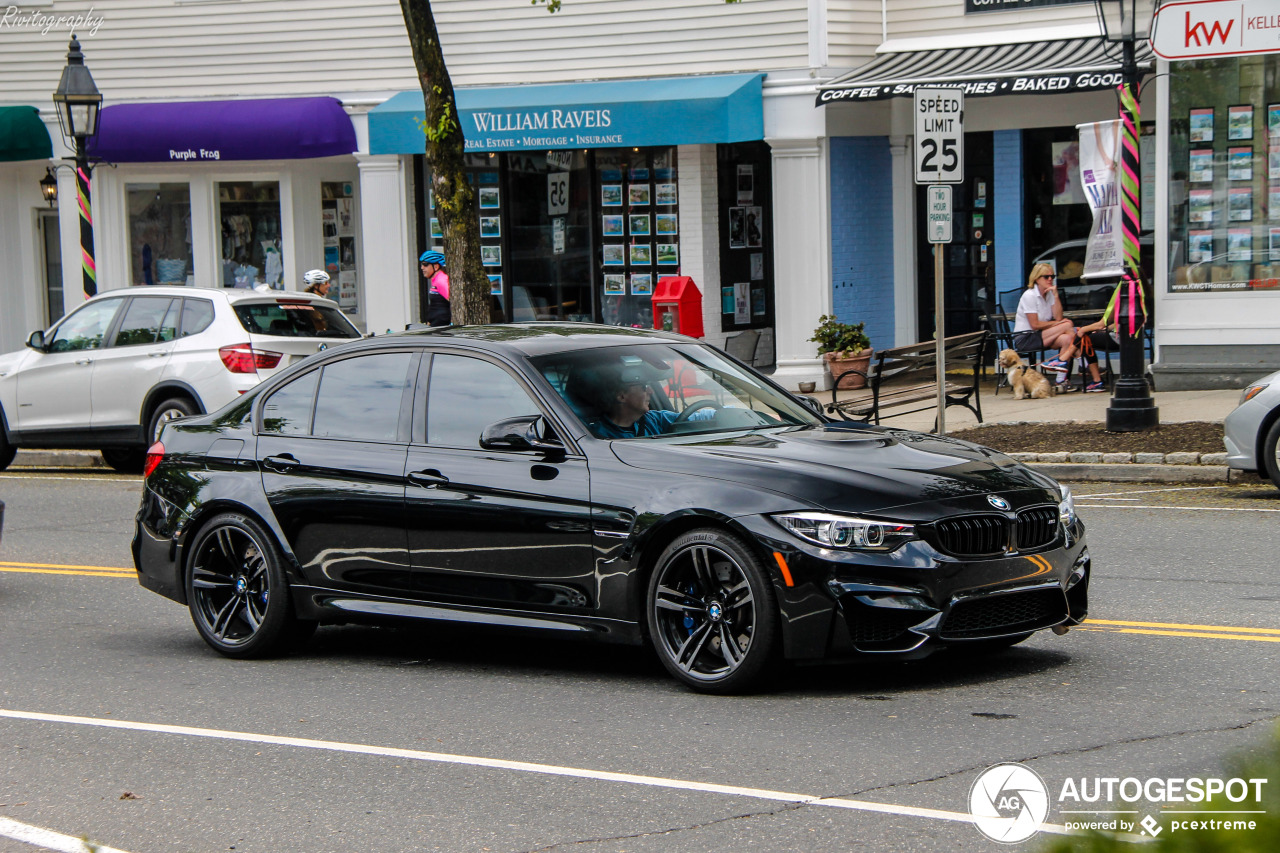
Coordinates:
(1050, 277)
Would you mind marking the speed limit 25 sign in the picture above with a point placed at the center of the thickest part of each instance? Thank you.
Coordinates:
(939, 136)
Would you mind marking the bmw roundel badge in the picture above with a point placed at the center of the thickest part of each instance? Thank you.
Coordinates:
(998, 503)
(322, 347)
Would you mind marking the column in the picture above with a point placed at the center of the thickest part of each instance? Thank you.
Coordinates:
(700, 230)
(802, 256)
(389, 288)
(906, 298)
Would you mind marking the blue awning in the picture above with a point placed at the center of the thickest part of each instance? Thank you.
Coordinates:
(658, 111)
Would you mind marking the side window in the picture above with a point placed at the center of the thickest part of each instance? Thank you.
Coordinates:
(288, 410)
(197, 314)
(84, 329)
(142, 321)
(360, 397)
(465, 395)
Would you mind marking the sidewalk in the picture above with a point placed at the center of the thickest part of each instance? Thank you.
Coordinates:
(1085, 463)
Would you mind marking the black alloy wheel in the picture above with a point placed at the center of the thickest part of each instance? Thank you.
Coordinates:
(169, 410)
(712, 613)
(237, 591)
(7, 450)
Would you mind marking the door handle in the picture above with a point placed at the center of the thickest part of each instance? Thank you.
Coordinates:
(157, 354)
(429, 478)
(282, 463)
(84, 361)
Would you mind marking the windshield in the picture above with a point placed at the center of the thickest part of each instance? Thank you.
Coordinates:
(665, 389)
(295, 319)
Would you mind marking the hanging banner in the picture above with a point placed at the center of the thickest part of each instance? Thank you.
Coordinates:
(1099, 157)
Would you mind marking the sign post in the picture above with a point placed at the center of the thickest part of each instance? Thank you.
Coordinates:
(939, 160)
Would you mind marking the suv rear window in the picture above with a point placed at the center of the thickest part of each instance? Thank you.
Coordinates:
(286, 319)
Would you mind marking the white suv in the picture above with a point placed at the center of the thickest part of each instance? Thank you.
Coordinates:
(110, 374)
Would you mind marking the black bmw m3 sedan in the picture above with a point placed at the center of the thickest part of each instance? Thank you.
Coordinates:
(611, 484)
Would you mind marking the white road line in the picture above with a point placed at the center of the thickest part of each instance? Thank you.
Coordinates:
(1152, 506)
(48, 839)
(520, 766)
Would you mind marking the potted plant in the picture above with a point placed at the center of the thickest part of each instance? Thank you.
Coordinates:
(843, 346)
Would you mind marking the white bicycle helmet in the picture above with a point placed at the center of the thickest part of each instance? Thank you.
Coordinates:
(315, 277)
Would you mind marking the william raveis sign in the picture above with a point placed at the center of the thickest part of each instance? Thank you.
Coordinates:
(488, 124)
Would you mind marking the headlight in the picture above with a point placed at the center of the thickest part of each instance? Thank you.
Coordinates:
(1066, 508)
(1252, 391)
(846, 532)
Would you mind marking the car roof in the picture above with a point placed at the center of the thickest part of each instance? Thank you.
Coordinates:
(534, 339)
(232, 295)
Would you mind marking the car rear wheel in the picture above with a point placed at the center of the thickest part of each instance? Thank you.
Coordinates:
(171, 409)
(1271, 453)
(126, 460)
(7, 450)
(237, 591)
(712, 613)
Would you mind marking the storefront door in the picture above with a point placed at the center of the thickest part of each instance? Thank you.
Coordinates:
(969, 259)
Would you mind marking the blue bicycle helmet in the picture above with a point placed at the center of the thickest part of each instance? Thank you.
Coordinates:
(431, 258)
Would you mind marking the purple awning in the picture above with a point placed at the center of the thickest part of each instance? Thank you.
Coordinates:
(270, 129)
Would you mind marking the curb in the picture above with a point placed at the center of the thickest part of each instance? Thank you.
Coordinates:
(59, 459)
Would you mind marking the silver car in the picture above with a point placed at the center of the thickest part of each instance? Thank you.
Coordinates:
(1252, 431)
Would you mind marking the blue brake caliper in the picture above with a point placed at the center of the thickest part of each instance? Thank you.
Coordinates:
(688, 620)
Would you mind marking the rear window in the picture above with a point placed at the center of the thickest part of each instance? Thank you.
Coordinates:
(295, 320)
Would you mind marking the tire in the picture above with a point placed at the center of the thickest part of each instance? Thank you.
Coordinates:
(1269, 454)
(237, 591)
(126, 460)
(7, 450)
(174, 407)
(712, 613)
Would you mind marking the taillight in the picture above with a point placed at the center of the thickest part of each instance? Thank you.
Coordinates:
(154, 454)
(243, 358)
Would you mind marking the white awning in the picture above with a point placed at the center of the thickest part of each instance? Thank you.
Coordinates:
(1028, 68)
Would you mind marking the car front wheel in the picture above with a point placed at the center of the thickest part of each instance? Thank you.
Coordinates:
(126, 460)
(7, 450)
(237, 590)
(712, 613)
(1271, 453)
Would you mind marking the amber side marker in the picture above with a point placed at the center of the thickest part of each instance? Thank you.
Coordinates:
(786, 572)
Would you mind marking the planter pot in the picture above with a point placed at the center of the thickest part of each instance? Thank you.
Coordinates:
(838, 363)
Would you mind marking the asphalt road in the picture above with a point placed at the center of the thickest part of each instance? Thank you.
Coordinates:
(117, 723)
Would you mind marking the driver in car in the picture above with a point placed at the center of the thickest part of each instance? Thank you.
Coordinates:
(624, 401)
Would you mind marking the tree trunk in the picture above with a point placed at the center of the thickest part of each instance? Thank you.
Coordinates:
(455, 199)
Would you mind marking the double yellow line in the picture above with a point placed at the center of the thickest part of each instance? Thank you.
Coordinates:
(1173, 629)
(55, 569)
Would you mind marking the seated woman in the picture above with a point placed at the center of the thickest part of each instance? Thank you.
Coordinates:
(1039, 323)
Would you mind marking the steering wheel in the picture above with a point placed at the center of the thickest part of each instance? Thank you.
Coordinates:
(693, 407)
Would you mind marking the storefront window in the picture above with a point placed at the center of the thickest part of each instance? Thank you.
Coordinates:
(338, 222)
(1224, 163)
(159, 233)
(639, 228)
(250, 215)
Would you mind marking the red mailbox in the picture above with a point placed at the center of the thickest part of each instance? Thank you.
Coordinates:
(677, 306)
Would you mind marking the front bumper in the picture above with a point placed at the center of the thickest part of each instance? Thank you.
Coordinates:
(916, 600)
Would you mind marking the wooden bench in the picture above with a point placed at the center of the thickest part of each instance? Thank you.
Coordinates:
(900, 377)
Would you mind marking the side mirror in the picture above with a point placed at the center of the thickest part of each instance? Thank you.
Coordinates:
(36, 341)
(529, 432)
(812, 404)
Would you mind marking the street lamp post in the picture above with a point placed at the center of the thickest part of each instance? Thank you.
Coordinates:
(1132, 408)
(78, 100)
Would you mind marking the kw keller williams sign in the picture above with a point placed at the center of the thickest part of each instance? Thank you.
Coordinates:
(1199, 29)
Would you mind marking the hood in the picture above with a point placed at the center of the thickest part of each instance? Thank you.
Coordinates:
(10, 361)
(851, 468)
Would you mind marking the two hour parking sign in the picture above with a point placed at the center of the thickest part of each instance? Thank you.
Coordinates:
(939, 136)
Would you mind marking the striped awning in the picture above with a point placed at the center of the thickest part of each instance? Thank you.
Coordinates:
(1027, 68)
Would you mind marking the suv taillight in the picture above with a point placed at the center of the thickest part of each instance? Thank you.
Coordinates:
(154, 454)
(243, 358)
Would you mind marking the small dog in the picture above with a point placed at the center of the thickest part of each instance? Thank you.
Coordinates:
(1024, 381)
